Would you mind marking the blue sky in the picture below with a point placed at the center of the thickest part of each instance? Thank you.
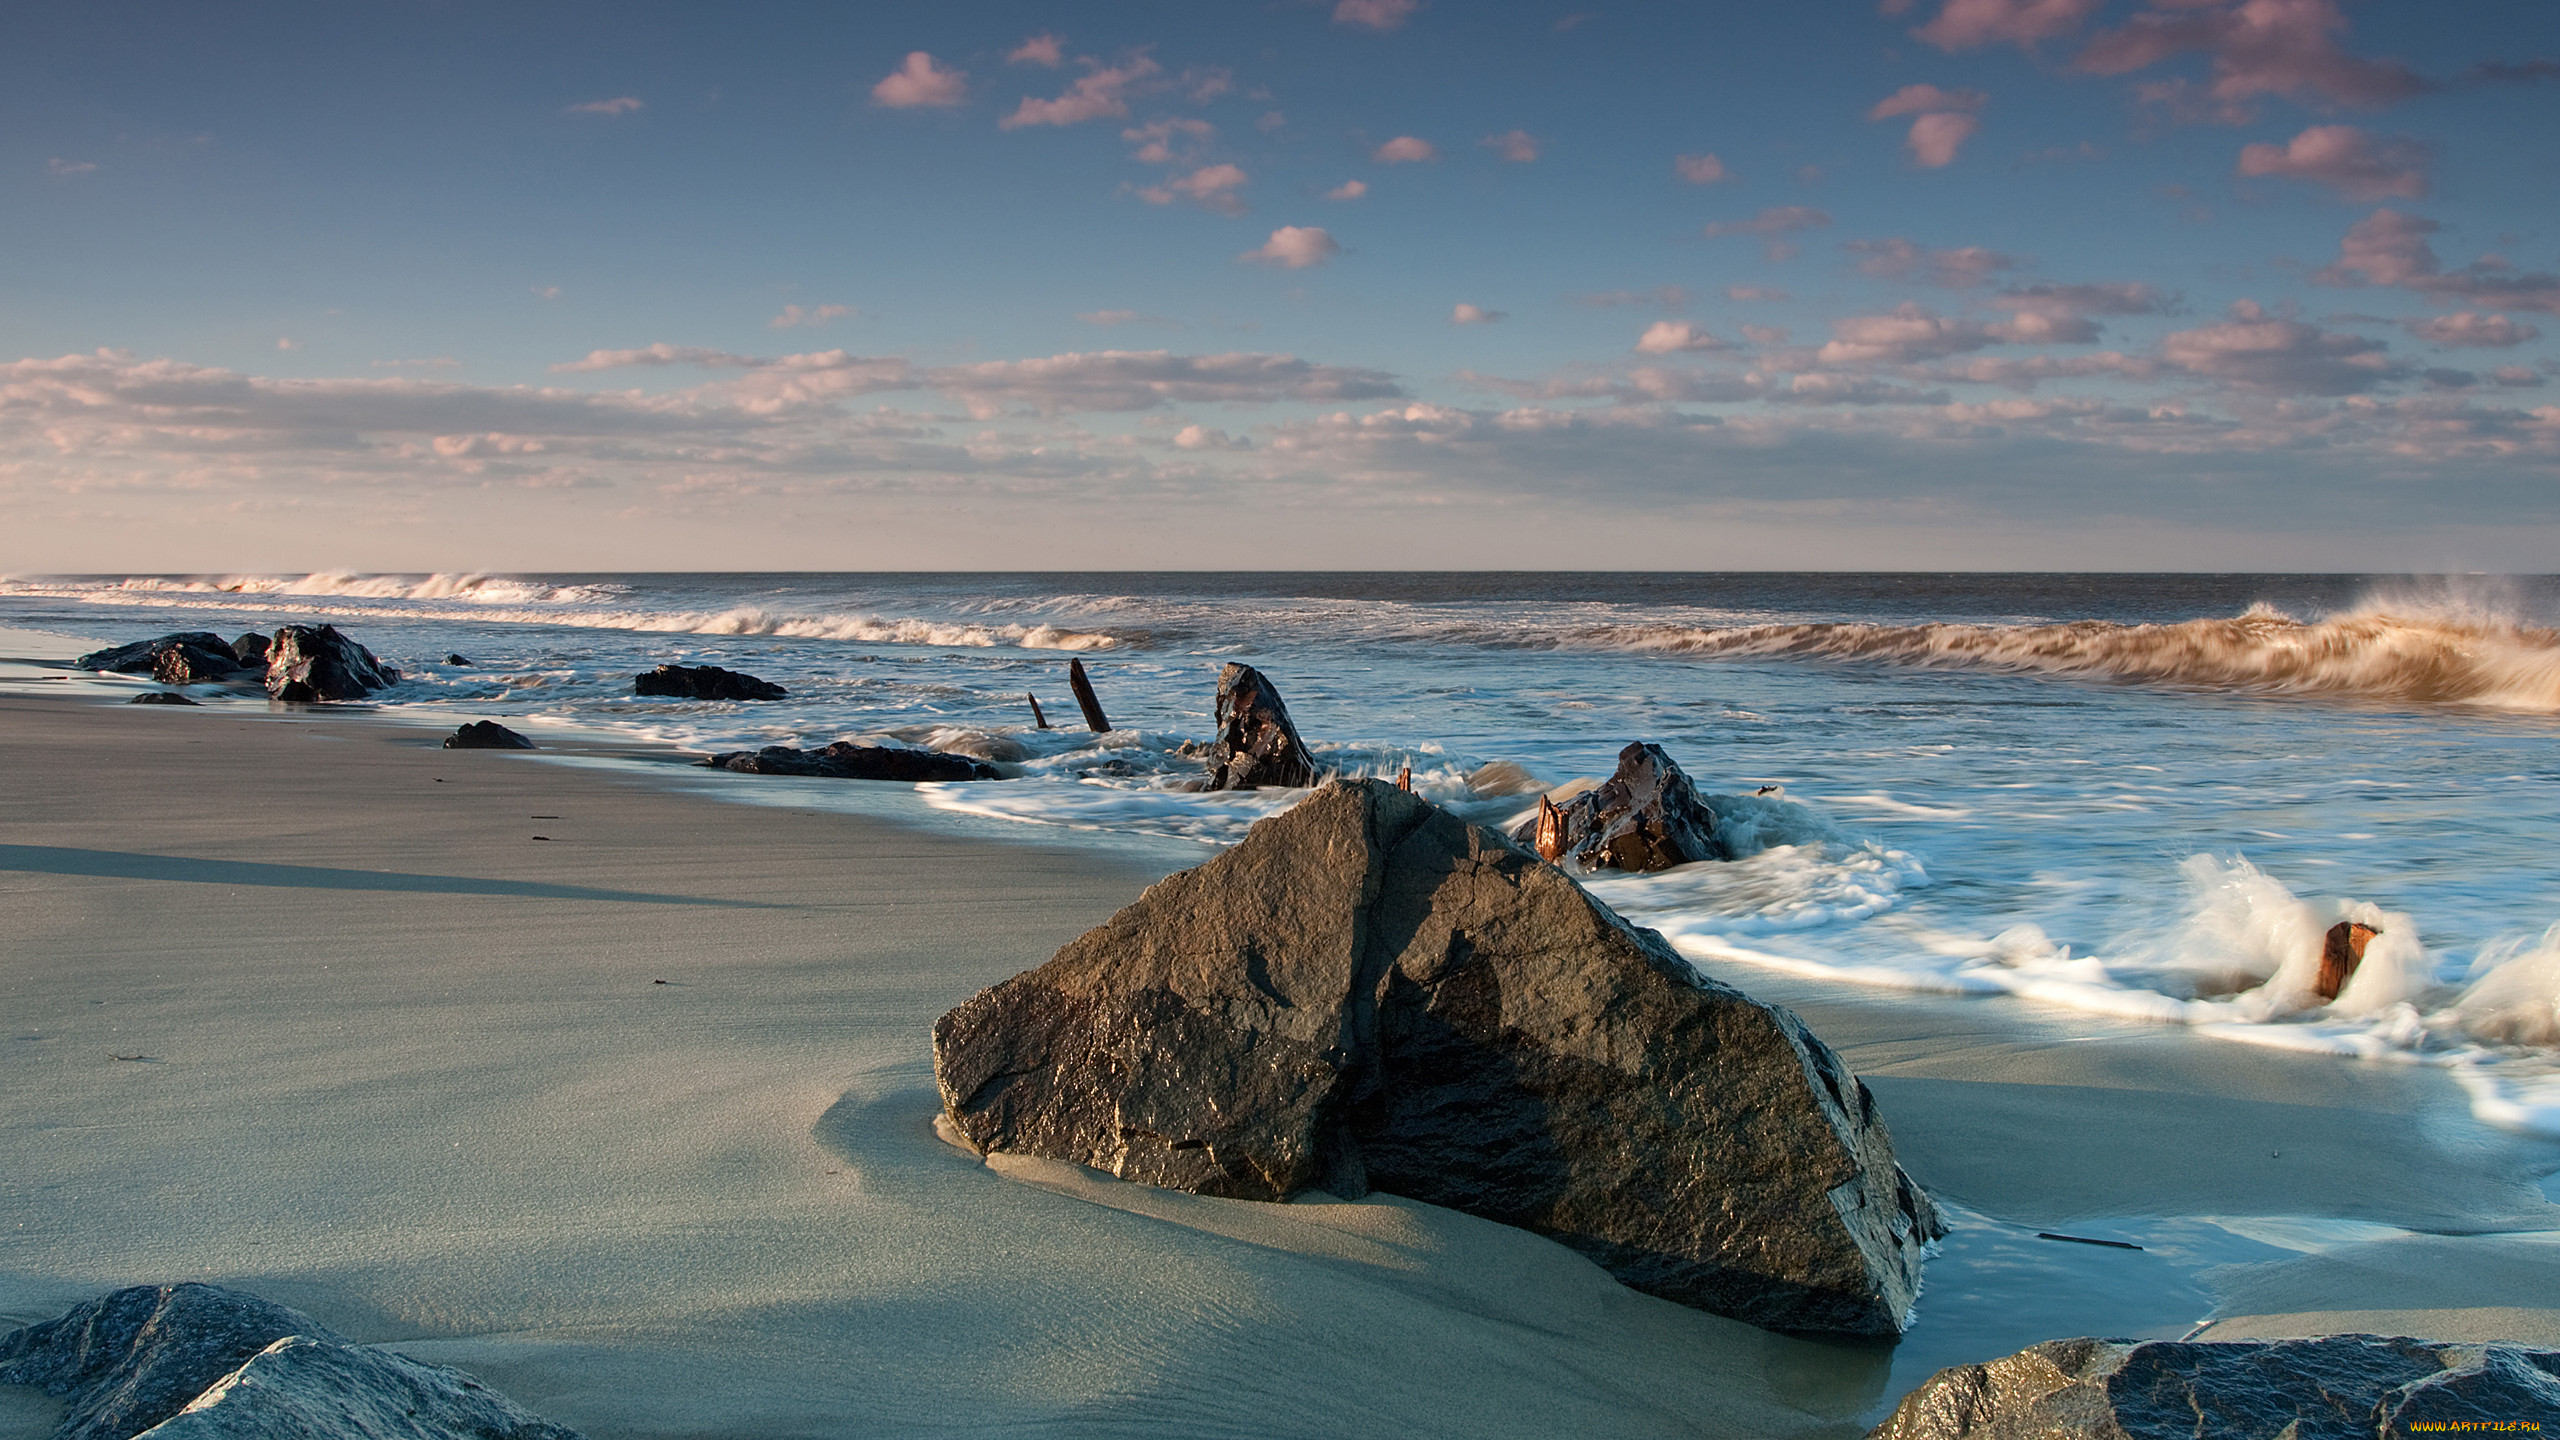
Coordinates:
(1948, 283)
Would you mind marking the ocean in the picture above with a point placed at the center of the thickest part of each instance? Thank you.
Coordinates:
(2143, 797)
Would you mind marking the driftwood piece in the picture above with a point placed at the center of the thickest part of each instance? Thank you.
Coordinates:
(2341, 951)
(1094, 719)
(1041, 720)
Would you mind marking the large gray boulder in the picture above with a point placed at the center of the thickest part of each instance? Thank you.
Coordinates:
(308, 1389)
(2334, 1387)
(1371, 993)
(315, 662)
(134, 1358)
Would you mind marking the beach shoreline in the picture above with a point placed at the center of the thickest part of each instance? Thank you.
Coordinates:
(402, 1064)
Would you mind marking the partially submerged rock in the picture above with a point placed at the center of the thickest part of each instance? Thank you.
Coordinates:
(134, 1358)
(2341, 951)
(201, 649)
(486, 735)
(198, 1362)
(2330, 1388)
(159, 697)
(193, 665)
(1370, 993)
(845, 760)
(1258, 748)
(704, 682)
(314, 662)
(251, 650)
(1645, 817)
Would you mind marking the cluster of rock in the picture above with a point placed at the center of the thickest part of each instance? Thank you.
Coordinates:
(299, 663)
(845, 760)
(1643, 818)
(2333, 1387)
(1371, 993)
(705, 682)
(197, 1362)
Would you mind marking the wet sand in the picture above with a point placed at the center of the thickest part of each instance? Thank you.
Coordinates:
(388, 1057)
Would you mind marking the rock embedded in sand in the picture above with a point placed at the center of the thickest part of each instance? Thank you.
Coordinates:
(314, 662)
(705, 682)
(2315, 1389)
(1258, 748)
(134, 1358)
(200, 651)
(159, 697)
(486, 735)
(1371, 993)
(1645, 817)
(314, 1390)
(845, 760)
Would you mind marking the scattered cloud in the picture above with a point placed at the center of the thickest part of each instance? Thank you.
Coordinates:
(1670, 297)
(285, 342)
(1211, 186)
(2471, 328)
(1203, 437)
(1748, 294)
(1043, 49)
(1129, 380)
(2384, 248)
(618, 105)
(2286, 48)
(1968, 24)
(1405, 150)
(659, 354)
(1100, 93)
(1169, 141)
(1945, 119)
(919, 83)
(1379, 15)
(1921, 99)
(2258, 351)
(2346, 160)
(1700, 169)
(1518, 147)
(1269, 121)
(1772, 225)
(1673, 337)
(1765, 334)
(1348, 190)
(793, 316)
(60, 166)
(1908, 334)
(547, 292)
(1295, 247)
(1466, 314)
(1108, 318)
(1960, 269)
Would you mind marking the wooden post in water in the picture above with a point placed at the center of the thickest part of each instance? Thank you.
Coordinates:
(2341, 951)
(1094, 719)
(1041, 720)
(1550, 835)
(1404, 781)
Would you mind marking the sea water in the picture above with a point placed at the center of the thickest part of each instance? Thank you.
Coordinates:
(2141, 796)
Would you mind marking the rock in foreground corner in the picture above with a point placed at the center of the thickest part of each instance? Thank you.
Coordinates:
(2334, 1387)
(1371, 993)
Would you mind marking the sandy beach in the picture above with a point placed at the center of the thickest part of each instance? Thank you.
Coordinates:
(621, 1098)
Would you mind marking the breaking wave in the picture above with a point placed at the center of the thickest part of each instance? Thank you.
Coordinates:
(2446, 658)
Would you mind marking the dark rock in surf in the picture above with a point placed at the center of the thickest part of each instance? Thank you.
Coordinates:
(134, 1358)
(1258, 748)
(314, 662)
(457, 660)
(704, 682)
(1645, 817)
(845, 760)
(1371, 993)
(159, 697)
(196, 1362)
(142, 657)
(2329, 1388)
(250, 649)
(194, 665)
(2341, 951)
(486, 735)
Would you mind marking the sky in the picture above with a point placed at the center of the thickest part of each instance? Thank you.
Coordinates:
(1297, 284)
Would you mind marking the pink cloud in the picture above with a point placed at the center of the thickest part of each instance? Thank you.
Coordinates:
(1747, 293)
(1169, 141)
(618, 105)
(2114, 297)
(1295, 247)
(2470, 328)
(1378, 15)
(2385, 248)
(1212, 186)
(812, 315)
(1516, 146)
(1960, 269)
(1966, 24)
(1935, 139)
(1466, 314)
(1700, 169)
(1042, 49)
(919, 82)
(1348, 190)
(2346, 160)
(2259, 47)
(1099, 93)
(1405, 150)
(1672, 337)
(2259, 352)
(1910, 333)
(1918, 99)
(1772, 225)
